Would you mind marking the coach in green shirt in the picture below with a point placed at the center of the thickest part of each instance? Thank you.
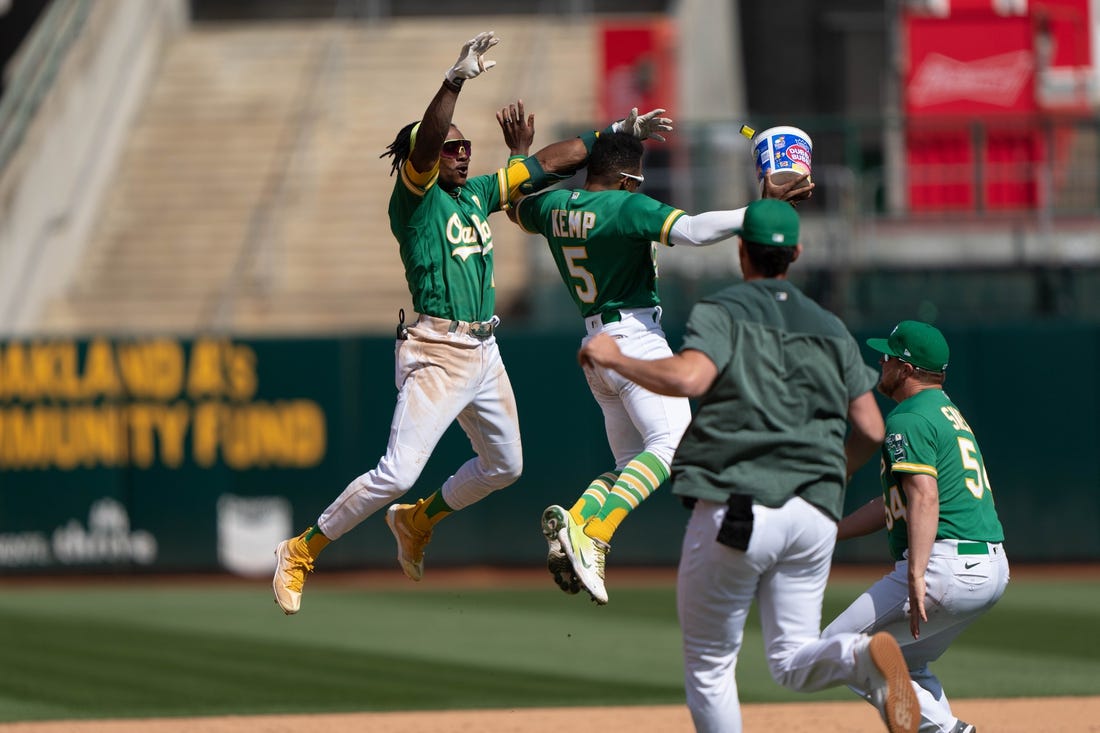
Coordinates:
(779, 382)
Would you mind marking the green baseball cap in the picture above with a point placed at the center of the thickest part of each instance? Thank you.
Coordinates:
(771, 222)
(920, 344)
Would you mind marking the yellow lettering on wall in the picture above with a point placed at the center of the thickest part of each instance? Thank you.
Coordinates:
(152, 369)
(21, 438)
(13, 372)
(204, 434)
(287, 434)
(68, 371)
(63, 450)
(241, 369)
(121, 405)
(103, 435)
(310, 436)
(220, 368)
(204, 372)
(53, 371)
(171, 426)
(100, 373)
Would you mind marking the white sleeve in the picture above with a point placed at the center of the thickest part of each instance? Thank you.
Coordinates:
(706, 228)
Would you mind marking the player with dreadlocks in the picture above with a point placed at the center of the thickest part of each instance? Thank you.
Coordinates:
(448, 365)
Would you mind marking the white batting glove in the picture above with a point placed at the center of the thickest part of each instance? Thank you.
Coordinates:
(643, 126)
(471, 61)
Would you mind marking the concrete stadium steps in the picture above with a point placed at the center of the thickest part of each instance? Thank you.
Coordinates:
(251, 197)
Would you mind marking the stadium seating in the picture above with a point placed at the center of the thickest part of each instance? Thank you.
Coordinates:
(250, 196)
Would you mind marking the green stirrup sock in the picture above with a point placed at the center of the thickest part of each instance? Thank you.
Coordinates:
(641, 477)
(435, 508)
(594, 496)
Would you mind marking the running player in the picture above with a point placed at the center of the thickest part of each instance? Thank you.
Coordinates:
(448, 366)
(937, 508)
(785, 413)
(602, 240)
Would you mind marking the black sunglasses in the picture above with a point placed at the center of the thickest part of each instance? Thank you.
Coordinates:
(456, 149)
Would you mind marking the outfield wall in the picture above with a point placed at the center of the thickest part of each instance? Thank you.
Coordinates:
(167, 455)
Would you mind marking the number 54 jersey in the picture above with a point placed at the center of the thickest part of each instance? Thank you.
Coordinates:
(926, 434)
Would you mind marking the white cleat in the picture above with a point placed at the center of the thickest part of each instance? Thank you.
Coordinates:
(555, 528)
(588, 557)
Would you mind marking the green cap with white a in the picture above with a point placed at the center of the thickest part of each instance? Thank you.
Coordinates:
(771, 222)
(920, 344)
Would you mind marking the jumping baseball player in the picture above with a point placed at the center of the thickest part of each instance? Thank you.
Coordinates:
(937, 508)
(448, 365)
(602, 240)
(785, 413)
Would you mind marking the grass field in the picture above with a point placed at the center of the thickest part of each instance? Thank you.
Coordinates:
(124, 650)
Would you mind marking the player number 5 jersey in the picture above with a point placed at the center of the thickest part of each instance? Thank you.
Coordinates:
(602, 243)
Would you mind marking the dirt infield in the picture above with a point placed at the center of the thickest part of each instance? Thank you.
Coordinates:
(1025, 715)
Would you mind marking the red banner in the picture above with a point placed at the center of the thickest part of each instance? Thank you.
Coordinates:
(639, 67)
(971, 89)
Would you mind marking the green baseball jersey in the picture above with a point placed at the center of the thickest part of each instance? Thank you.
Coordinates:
(603, 243)
(773, 424)
(446, 243)
(927, 434)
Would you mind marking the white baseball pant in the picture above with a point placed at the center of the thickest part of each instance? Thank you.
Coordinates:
(958, 589)
(785, 567)
(636, 419)
(441, 375)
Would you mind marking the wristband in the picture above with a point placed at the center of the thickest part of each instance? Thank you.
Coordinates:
(513, 159)
(589, 139)
(455, 85)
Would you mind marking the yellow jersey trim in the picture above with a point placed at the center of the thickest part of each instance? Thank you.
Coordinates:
(418, 183)
(511, 178)
(666, 228)
(519, 219)
(905, 467)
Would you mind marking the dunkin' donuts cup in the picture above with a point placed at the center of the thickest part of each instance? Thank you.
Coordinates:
(783, 151)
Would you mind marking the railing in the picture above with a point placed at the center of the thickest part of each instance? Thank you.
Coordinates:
(35, 68)
(1015, 238)
(1024, 167)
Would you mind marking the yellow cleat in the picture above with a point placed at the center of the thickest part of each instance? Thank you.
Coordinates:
(411, 540)
(293, 563)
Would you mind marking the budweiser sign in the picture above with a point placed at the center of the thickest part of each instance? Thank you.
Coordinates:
(997, 80)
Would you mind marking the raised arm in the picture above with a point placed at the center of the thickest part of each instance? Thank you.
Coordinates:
(518, 129)
(567, 156)
(562, 159)
(433, 127)
(794, 191)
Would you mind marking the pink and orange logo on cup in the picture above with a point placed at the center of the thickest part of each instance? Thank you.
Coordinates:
(785, 152)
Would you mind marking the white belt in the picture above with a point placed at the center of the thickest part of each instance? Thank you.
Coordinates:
(647, 317)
